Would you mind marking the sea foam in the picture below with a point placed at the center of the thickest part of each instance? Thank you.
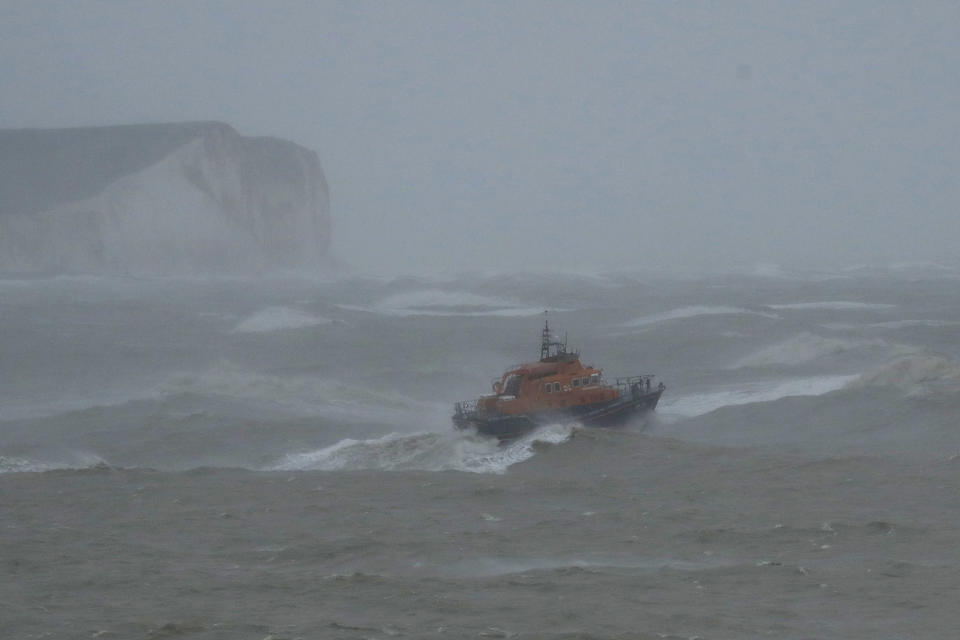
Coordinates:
(300, 394)
(807, 347)
(692, 312)
(425, 451)
(832, 305)
(437, 302)
(915, 375)
(701, 403)
(277, 319)
(13, 464)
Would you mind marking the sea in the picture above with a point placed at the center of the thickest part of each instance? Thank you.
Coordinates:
(274, 458)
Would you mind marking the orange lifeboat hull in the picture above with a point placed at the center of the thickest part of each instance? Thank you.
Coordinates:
(612, 413)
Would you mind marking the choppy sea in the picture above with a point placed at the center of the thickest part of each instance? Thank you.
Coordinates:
(274, 458)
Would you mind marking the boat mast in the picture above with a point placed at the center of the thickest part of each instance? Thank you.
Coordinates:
(545, 338)
(546, 341)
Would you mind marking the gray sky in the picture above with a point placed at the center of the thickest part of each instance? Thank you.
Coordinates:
(548, 135)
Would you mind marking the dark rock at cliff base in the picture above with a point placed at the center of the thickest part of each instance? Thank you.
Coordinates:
(159, 199)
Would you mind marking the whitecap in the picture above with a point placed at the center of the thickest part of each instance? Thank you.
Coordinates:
(13, 464)
(832, 305)
(807, 347)
(906, 324)
(437, 302)
(490, 566)
(302, 394)
(692, 312)
(915, 375)
(278, 319)
(701, 403)
(425, 451)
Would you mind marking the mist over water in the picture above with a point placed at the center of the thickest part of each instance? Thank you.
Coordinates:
(251, 254)
(556, 135)
(296, 433)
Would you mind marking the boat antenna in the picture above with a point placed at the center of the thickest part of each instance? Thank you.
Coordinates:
(545, 338)
(547, 341)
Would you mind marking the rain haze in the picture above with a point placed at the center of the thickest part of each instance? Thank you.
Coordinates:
(548, 135)
(264, 268)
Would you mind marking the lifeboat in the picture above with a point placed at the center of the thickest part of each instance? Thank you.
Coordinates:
(558, 387)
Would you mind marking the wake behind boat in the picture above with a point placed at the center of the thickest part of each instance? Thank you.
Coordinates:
(555, 388)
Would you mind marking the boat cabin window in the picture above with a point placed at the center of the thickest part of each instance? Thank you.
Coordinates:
(576, 382)
(556, 386)
(512, 386)
(548, 387)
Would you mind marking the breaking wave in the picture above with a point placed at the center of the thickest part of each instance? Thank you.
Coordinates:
(425, 452)
(436, 302)
(277, 319)
(915, 375)
(906, 324)
(807, 347)
(491, 566)
(13, 464)
(299, 394)
(699, 404)
(692, 312)
(832, 305)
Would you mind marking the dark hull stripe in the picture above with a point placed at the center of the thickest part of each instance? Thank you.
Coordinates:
(604, 414)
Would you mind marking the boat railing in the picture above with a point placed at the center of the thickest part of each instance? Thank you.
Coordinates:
(465, 407)
(627, 384)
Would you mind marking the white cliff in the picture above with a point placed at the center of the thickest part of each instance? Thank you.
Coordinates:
(159, 199)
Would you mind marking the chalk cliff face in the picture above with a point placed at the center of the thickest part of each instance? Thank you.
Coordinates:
(159, 199)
